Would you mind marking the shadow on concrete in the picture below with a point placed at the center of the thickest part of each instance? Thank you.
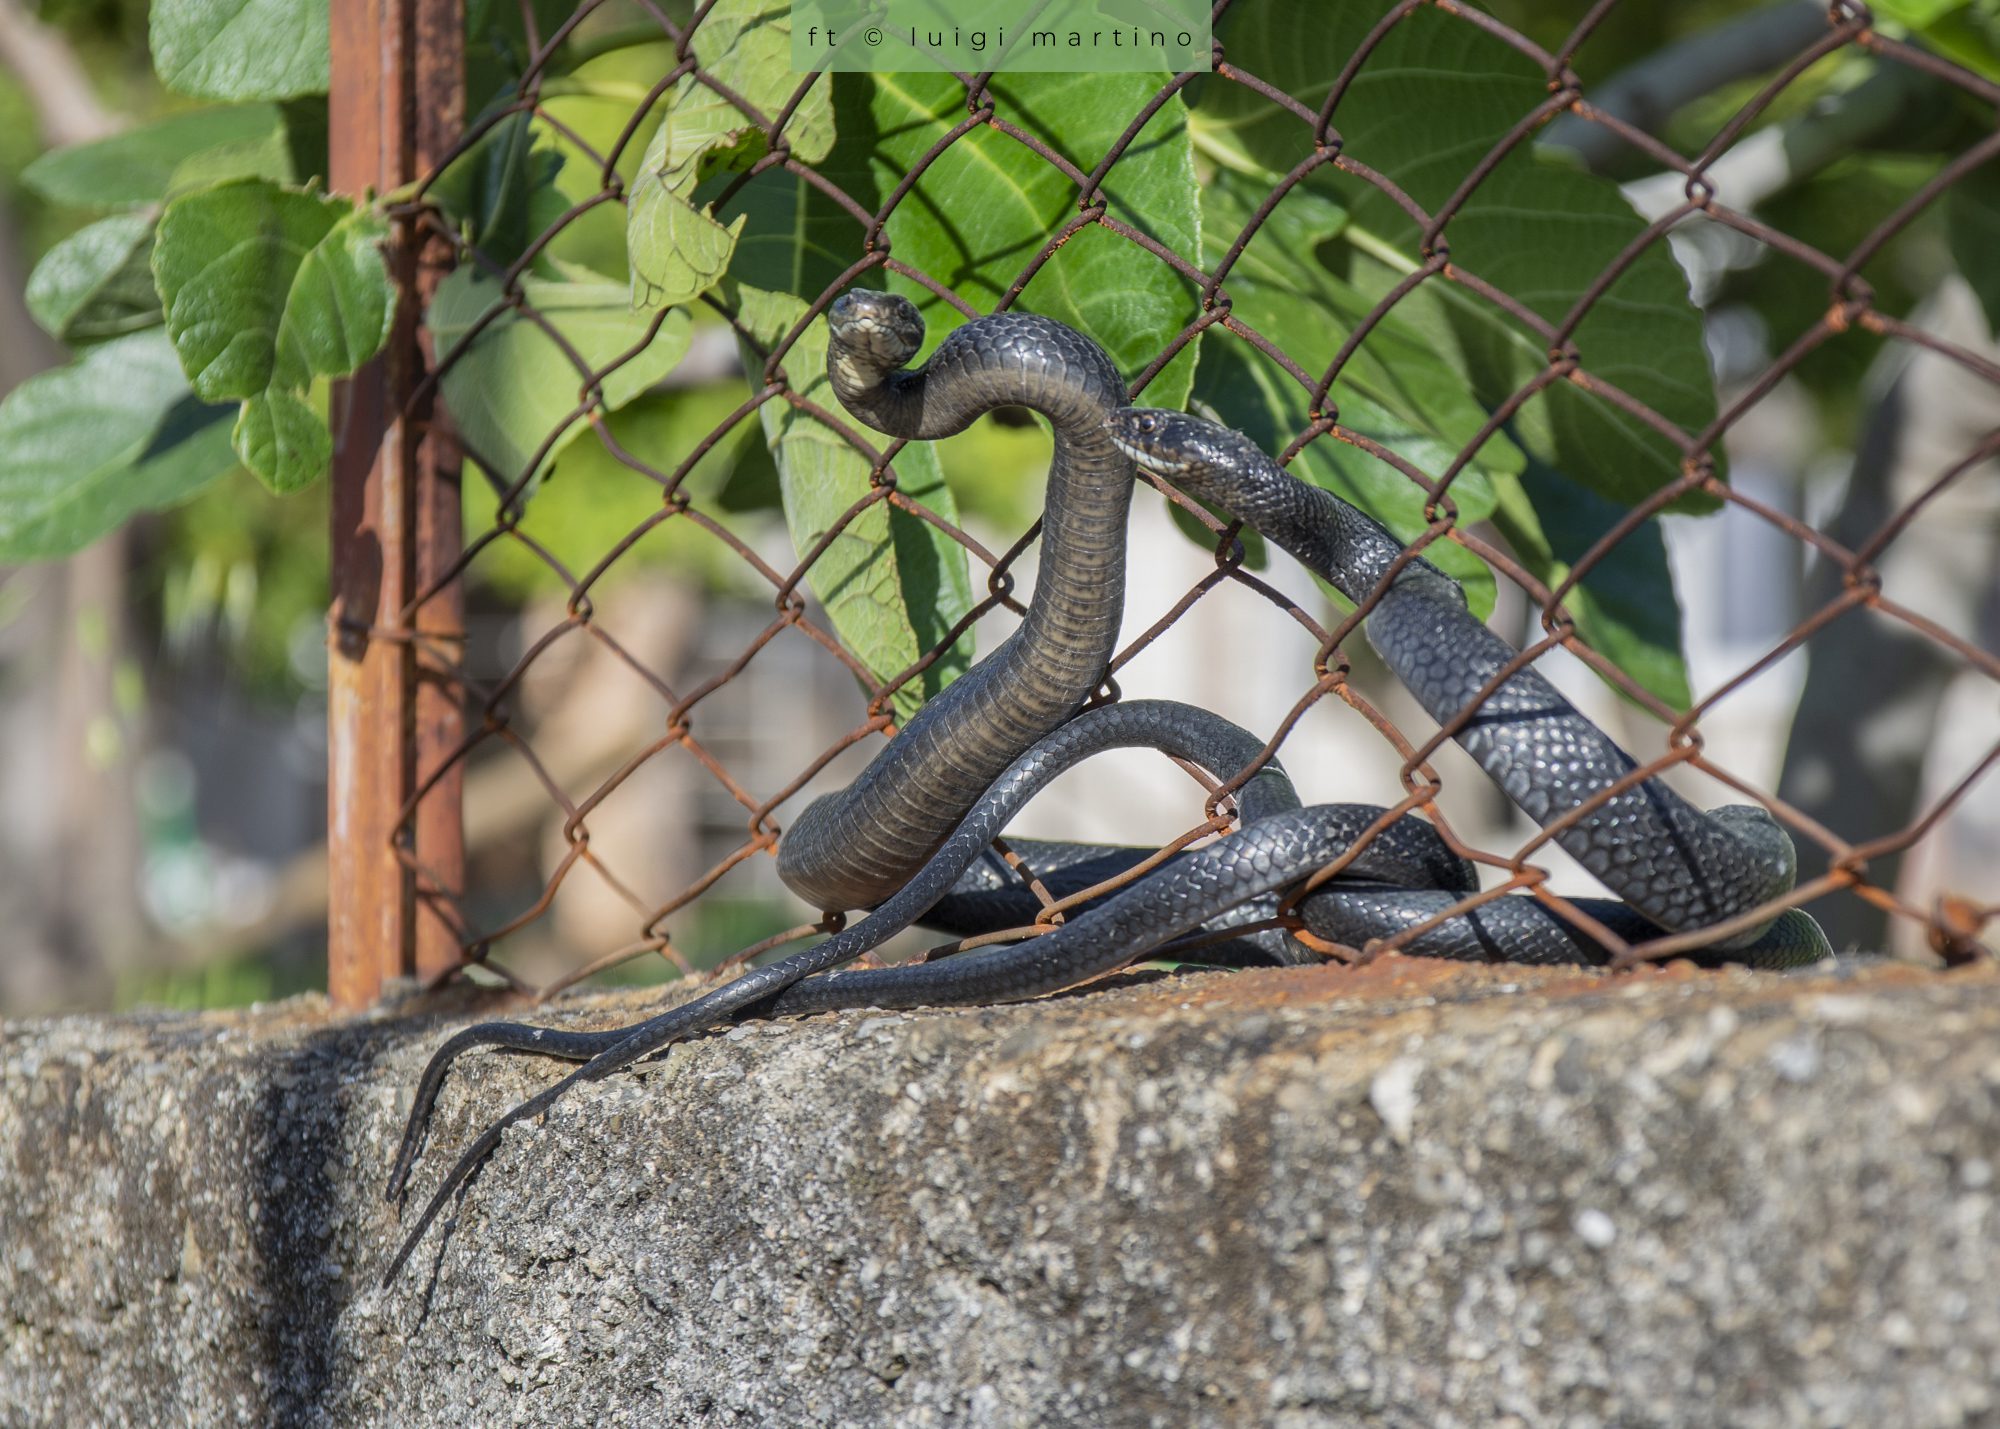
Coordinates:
(297, 1146)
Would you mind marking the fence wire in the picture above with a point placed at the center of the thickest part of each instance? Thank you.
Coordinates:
(689, 730)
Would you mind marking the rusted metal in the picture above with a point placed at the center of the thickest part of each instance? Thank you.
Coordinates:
(438, 101)
(396, 91)
(407, 718)
(368, 925)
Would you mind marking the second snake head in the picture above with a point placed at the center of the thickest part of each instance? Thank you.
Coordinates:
(1173, 444)
(877, 331)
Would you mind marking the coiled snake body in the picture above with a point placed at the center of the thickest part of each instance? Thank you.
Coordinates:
(910, 836)
(854, 848)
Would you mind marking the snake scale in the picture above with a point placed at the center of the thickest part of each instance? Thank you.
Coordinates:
(910, 837)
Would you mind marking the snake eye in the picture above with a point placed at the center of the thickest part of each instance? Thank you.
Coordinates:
(1149, 424)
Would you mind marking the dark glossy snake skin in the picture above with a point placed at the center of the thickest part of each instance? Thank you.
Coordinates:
(1408, 853)
(1680, 868)
(881, 841)
(1676, 867)
(856, 847)
(917, 826)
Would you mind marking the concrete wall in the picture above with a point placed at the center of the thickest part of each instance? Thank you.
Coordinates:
(1417, 1194)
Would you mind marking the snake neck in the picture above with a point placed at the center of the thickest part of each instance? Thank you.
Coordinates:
(1019, 360)
(854, 848)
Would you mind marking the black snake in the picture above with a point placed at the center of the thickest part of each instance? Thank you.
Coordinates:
(910, 837)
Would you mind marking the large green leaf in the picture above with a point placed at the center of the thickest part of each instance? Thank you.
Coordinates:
(515, 386)
(496, 190)
(594, 104)
(595, 500)
(241, 49)
(892, 583)
(266, 289)
(1624, 607)
(85, 446)
(1964, 30)
(1972, 224)
(975, 219)
(792, 239)
(499, 45)
(1393, 390)
(148, 164)
(98, 282)
(988, 204)
(678, 250)
(1428, 105)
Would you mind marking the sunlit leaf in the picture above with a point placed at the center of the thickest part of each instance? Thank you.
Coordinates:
(241, 49)
(1433, 100)
(85, 446)
(892, 583)
(516, 387)
(679, 251)
(98, 282)
(152, 162)
(266, 289)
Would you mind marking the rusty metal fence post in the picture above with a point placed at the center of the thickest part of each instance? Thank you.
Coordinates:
(397, 87)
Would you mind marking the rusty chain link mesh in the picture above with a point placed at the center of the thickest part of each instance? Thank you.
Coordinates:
(687, 729)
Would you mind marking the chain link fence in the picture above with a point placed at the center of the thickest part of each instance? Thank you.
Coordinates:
(723, 725)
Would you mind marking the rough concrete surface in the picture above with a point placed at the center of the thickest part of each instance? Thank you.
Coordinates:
(1415, 1194)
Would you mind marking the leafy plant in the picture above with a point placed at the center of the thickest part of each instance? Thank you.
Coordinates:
(264, 289)
(1967, 31)
(893, 584)
(87, 445)
(515, 392)
(225, 285)
(222, 289)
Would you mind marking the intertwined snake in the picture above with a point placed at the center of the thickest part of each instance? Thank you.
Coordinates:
(910, 837)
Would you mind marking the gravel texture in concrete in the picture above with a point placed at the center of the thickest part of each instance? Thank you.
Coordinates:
(1412, 1194)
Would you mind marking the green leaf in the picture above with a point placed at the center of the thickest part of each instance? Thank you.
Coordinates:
(1393, 390)
(1972, 226)
(266, 289)
(499, 46)
(241, 49)
(1625, 607)
(98, 282)
(1917, 13)
(988, 204)
(792, 236)
(892, 583)
(148, 164)
(492, 189)
(679, 251)
(515, 386)
(1428, 105)
(595, 103)
(85, 446)
(1967, 31)
(284, 439)
(594, 499)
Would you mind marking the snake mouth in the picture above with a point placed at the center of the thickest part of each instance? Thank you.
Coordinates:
(1146, 435)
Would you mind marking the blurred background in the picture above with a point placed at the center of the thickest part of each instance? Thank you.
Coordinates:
(162, 725)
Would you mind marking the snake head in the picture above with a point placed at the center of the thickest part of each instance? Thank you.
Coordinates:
(875, 329)
(1173, 444)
